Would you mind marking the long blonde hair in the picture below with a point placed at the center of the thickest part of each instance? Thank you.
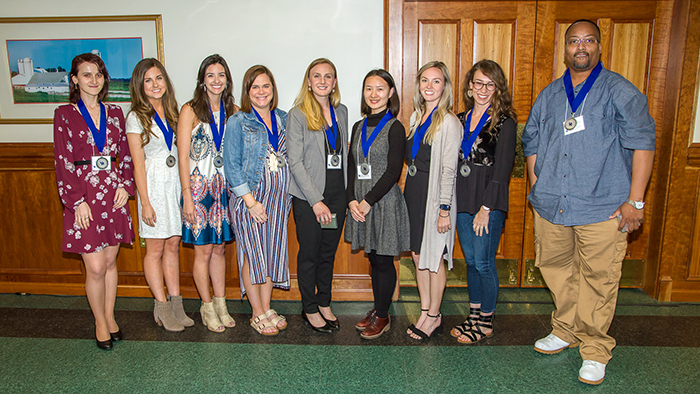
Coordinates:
(443, 108)
(142, 107)
(307, 103)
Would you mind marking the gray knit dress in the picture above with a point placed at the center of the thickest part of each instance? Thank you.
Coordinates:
(386, 226)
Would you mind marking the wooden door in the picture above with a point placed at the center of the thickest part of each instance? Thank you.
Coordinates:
(460, 33)
(634, 36)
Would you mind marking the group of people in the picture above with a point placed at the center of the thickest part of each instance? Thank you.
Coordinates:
(211, 172)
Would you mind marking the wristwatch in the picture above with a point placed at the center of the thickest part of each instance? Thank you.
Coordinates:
(445, 207)
(635, 204)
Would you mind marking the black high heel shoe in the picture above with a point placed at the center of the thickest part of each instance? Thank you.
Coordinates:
(334, 324)
(116, 336)
(437, 330)
(104, 345)
(326, 329)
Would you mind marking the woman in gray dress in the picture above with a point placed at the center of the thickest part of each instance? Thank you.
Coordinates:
(378, 220)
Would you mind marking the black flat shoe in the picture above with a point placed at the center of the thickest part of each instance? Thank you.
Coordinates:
(326, 329)
(104, 345)
(116, 336)
(334, 324)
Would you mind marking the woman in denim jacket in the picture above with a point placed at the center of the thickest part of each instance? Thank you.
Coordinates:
(257, 170)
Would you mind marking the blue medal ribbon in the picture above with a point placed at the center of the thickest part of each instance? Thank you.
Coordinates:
(99, 136)
(273, 136)
(576, 101)
(366, 144)
(332, 132)
(167, 131)
(418, 137)
(469, 135)
(218, 132)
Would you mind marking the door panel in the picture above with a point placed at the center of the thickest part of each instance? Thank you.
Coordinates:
(459, 34)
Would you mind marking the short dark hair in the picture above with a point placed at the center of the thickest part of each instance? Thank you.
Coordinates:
(248, 80)
(566, 33)
(394, 104)
(74, 95)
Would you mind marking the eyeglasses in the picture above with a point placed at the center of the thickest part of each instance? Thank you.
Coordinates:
(489, 86)
(585, 41)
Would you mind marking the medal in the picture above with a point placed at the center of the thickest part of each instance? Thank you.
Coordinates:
(280, 161)
(273, 137)
(570, 123)
(470, 136)
(417, 138)
(464, 170)
(217, 133)
(335, 160)
(99, 136)
(102, 163)
(168, 135)
(364, 169)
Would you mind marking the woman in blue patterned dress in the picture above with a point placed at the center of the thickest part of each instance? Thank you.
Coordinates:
(200, 134)
(257, 170)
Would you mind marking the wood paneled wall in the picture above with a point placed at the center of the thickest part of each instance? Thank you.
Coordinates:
(31, 260)
(655, 44)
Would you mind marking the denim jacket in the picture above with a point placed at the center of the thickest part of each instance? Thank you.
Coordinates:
(245, 150)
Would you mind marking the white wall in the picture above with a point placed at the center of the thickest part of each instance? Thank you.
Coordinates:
(284, 35)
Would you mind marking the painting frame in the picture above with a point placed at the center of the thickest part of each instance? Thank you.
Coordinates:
(151, 27)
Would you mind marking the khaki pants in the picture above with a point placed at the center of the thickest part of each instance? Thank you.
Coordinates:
(582, 266)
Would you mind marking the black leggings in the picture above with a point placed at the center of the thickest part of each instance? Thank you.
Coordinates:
(383, 282)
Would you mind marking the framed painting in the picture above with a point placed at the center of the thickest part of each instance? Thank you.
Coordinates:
(36, 55)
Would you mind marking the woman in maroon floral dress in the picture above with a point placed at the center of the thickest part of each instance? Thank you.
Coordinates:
(94, 187)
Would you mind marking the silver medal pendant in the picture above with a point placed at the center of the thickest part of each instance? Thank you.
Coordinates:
(570, 123)
(412, 170)
(335, 160)
(464, 170)
(218, 161)
(280, 161)
(102, 163)
(364, 168)
(170, 161)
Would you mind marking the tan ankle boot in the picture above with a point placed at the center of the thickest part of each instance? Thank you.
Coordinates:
(209, 317)
(179, 311)
(163, 315)
(222, 311)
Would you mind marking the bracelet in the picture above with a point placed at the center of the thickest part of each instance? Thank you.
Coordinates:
(444, 216)
(252, 206)
(183, 190)
(486, 208)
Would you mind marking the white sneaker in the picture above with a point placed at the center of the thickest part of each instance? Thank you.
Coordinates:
(591, 372)
(551, 344)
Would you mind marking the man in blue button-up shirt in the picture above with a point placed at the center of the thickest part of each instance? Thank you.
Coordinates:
(589, 143)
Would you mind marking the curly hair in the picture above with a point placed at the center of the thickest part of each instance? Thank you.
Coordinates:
(501, 101)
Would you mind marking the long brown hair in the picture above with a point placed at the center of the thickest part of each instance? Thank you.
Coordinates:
(142, 107)
(74, 95)
(306, 101)
(444, 106)
(248, 80)
(501, 102)
(200, 101)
